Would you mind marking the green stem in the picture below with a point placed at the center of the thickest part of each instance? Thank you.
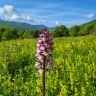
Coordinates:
(44, 77)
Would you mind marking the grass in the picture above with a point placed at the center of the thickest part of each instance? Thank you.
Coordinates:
(73, 74)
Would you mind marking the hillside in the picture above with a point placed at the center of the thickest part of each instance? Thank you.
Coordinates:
(92, 26)
(22, 26)
(91, 22)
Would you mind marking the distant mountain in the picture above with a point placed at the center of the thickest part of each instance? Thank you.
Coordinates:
(22, 26)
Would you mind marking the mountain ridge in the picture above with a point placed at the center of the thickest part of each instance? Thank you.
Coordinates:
(20, 26)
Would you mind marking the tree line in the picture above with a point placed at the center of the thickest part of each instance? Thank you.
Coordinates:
(12, 33)
(60, 31)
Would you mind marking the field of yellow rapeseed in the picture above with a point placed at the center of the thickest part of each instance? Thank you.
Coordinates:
(73, 73)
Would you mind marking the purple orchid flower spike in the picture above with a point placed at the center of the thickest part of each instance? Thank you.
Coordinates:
(44, 51)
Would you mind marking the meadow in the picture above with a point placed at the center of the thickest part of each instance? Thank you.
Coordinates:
(73, 73)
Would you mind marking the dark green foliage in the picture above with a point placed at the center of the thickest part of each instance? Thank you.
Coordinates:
(1, 32)
(23, 34)
(15, 59)
(30, 33)
(74, 30)
(60, 31)
(63, 30)
(88, 29)
(35, 33)
(9, 34)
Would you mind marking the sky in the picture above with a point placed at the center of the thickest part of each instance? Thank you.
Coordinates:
(48, 12)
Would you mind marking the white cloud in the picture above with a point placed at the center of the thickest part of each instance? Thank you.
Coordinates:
(91, 15)
(19, 17)
(9, 12)
(57, 23)
(7, 9)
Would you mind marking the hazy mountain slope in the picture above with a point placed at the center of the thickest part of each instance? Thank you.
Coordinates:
(22, 26)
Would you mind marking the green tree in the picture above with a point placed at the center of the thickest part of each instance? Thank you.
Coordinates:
(74, 30)
(56, 32)
(35, 33)
(63, 31)
(2, 29)
(88, 29)
(60, 31)
(21, 34)
(9, 34)
(14, 33)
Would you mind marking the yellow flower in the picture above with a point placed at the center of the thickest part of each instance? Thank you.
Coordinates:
(38, 89)
(83, 91)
